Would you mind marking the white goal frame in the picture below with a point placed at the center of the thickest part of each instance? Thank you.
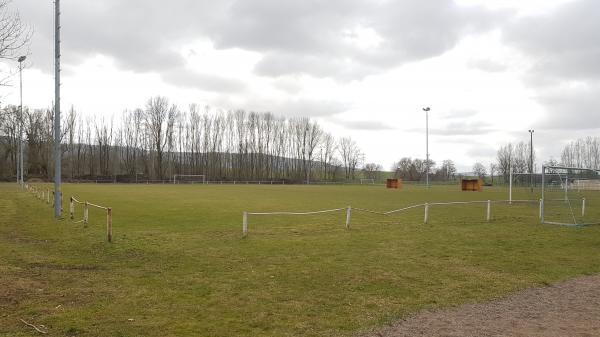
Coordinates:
(566, 188)
(175, 181)
(362, 181)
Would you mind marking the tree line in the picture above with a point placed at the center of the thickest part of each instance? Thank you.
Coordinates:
(161, 140)
(410, 169)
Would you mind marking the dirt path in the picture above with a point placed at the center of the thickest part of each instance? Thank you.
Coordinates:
(567, 309)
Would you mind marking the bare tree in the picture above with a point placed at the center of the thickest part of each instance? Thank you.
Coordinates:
(158, 121)
(479, 170)
(372, 171)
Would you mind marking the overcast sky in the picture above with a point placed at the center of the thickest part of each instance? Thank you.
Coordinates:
(489, 69)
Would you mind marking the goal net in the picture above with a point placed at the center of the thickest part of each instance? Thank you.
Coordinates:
(189, 179)
(367, 181)
(570, 196)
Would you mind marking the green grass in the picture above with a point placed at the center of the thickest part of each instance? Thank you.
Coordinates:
(179, 267)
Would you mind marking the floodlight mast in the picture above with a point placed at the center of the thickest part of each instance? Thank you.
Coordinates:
(57, 133)
(20, 60)
(427, 109)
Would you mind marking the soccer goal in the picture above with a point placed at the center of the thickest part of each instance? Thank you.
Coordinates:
(189, 179)
(367, 181)
(570, 196)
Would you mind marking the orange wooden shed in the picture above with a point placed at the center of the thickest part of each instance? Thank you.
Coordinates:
(475, 185)
(394, 183)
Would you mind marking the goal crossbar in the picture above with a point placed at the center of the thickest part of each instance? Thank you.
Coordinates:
(177, 178)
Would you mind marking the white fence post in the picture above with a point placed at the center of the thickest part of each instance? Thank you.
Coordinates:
(583, 207)
(489, 210)
(510, 180)
(541, 207)
(426, 218)
(85, 213)
(245, 224)
(348, 210)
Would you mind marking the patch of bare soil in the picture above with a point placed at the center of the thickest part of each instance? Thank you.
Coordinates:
(571, 308)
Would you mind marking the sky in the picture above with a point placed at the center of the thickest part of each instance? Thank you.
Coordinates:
(490, 70)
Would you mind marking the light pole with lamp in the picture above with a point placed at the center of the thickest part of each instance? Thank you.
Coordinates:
(427, 109)
(21, 59)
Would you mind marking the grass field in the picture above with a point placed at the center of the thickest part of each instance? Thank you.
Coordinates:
(179, 267)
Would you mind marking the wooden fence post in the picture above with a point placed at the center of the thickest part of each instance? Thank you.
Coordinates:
(109, 224)
(72, 208)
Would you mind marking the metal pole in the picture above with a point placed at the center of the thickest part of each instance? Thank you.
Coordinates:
(531, 159)
(57, 133)
(427, 145)
(510, 181)
(543, 191)
(21, 59)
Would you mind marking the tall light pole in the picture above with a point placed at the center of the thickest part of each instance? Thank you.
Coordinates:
(21, 59)
(427, 109)
(531, 159)
(57, 150)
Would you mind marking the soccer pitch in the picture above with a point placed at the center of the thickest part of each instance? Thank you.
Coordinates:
(178, 265)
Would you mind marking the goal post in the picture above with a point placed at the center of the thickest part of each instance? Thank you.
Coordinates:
(189, 179)
(367, 181)
(570, 196)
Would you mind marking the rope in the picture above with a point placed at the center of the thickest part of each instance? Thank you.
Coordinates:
(299, 213)
(97, 206)
(368, 211)
(404, 209)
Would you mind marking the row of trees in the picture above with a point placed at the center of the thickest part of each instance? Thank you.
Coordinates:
(516, 156)
(162, 140)
(584, 152)
(416, 169)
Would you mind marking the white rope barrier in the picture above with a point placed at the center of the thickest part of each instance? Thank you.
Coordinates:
(246, 214)
(426, 206)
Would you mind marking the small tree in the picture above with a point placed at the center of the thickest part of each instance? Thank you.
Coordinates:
(479, 170)
(372, 171)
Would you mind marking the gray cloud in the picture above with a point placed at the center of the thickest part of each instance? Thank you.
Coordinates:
(575, 108)
(294, 36)
(487, 65)
(564, 43)
(305, 107)
(186, 78)
(363, 125)
(563, 46)
(459, 128)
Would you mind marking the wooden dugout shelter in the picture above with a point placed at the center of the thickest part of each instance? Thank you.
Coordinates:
(393, 183)
(474, 185)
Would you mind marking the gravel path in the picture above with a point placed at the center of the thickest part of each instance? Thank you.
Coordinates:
(567, 309)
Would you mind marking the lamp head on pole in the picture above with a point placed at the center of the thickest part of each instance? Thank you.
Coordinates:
(531, 131)
(426, 109)
(22, 58)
